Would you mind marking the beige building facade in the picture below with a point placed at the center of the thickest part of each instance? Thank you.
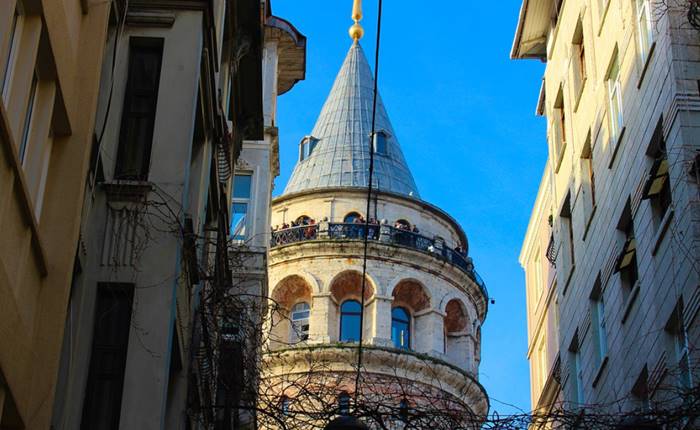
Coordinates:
(50, 60)
(610, 254)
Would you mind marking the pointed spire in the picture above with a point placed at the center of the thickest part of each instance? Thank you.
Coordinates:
(336, 154)
(356, 31)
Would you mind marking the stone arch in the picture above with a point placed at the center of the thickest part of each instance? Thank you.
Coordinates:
(348, 284)
(454, 295)
(288, 292)
(457, 325)
(411, 293)
(351, 216)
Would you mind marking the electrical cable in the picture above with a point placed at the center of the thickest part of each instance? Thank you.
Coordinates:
(369, 201)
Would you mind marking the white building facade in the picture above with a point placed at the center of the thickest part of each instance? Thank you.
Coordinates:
(611, 252)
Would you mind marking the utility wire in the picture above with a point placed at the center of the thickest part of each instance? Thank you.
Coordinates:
(369, 201)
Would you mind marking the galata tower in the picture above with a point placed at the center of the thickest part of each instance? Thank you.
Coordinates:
(424, 303)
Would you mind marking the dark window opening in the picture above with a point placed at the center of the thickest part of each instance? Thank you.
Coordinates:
(627, 260)
(139, 113)
(103, 394)
(657, 188)
(352, 217)
(379, 143)
(344, 404)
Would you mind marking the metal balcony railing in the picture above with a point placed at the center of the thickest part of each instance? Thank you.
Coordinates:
(383, 234)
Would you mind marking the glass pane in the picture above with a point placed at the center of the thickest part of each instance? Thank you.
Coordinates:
(241, 186)
(238, 221)
(351, 306)
(350, 328)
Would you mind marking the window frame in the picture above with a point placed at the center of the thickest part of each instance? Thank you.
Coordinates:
(299, 335)
(126, 146)
(616, 119)
(408, 327)
(237, 200)
(13, 47)
(344, 313)
(645, 33)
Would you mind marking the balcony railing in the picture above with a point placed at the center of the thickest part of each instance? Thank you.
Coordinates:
(383, 234)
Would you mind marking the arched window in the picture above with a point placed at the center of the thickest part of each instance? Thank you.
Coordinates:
(284, 405)
(303, 220)
(350, 312)
(402, 224)
(344, 404)
(403, 410)
(401, 328)
(300, 322)
(351, 217)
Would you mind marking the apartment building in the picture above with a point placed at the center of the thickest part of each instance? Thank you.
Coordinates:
(50, 58)
(611, 251)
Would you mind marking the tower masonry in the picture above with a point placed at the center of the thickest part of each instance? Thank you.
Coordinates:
(424, 302)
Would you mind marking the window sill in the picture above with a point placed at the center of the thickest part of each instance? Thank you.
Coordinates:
(599, 372)
(126, 190)
(661, 230)
(646, 65)
(589, 221)
(630, 302)
(616, 148)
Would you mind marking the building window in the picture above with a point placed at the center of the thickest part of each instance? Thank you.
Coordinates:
(588, 179)
(139, 113)
(565, 256)
(12, 47)
(627, 260)
(579, 61)
(614, 100)
(350, 314)
(559, 130)
(657, 188)
(600, 339)
(677, 348)
(644, 30)
(403, 410)
(343, 404)
(300, 322)
(401, 328)
(352, 217)
(242, 185)
(307, 146)
(379, 143)
(284, 405)
(103, 394)
(640, 390)
(29, 113)
(575, 373)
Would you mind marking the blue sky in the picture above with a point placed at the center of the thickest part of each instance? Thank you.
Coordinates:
(464, 115)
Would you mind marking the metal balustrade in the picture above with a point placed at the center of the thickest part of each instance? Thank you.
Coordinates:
(381, 233)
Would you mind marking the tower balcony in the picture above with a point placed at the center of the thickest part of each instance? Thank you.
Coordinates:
(382, 234)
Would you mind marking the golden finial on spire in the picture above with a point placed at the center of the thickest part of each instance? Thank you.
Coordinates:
(356, 31)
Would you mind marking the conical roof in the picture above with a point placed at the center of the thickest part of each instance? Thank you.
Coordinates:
(341, 155)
